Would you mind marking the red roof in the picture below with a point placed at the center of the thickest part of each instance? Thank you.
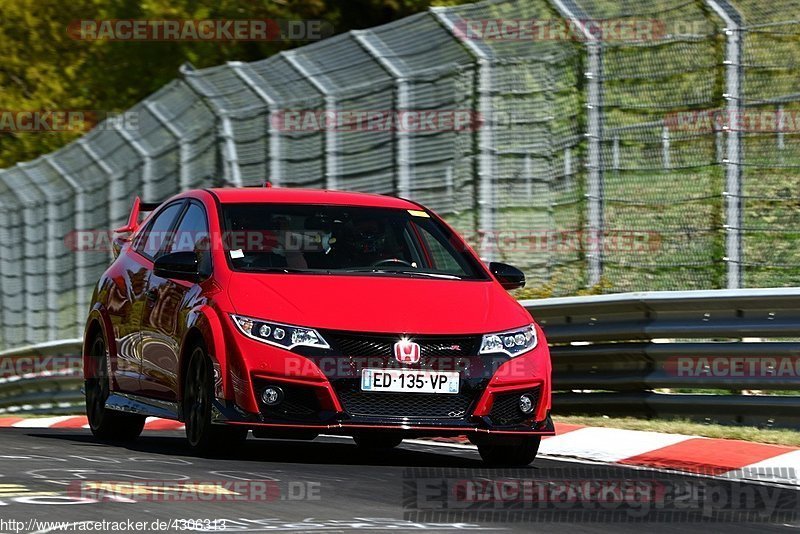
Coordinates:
(308, 196)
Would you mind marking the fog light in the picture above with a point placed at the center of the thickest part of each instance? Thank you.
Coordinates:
(526, 404)
(272, 395)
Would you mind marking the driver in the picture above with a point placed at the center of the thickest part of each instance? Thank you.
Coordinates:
(370, 242)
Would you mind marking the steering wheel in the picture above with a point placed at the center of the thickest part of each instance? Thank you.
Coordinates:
(391, 261)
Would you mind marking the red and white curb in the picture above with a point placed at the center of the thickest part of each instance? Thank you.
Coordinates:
(741, 460)
(79, 421)
(728, 458)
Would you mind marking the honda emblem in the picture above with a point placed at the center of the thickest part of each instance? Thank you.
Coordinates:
(406, 351)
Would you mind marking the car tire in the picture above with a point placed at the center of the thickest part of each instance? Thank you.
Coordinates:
(377, 441)
(203, 436)
(509, 451)
(105, 424)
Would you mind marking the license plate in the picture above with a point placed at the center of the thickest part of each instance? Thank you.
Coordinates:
(409, 381)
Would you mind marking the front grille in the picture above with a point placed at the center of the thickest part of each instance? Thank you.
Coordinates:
(411, 405)
(383, 345)
(359, 351)
(505, 408)
(436, 352)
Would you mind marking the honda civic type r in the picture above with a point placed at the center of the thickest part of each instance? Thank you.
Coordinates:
(294, 312)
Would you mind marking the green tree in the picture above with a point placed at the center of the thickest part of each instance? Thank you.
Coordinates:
(42, 67)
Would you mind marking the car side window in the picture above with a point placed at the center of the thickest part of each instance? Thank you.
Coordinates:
(192, 235)
(155, 235)
(442, 260)
(192, 232)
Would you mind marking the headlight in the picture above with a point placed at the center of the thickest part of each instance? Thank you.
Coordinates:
(280, 335)
(512, 342)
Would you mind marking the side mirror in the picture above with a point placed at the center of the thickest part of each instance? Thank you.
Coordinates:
(178, 265)
(508, 276)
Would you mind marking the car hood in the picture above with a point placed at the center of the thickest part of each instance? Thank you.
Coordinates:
(377, 303)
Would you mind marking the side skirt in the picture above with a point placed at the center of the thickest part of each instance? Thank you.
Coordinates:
(130, 403)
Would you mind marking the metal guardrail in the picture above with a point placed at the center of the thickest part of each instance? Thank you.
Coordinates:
(612, 355)
(625, 354)
(42, 379)
(599, 153)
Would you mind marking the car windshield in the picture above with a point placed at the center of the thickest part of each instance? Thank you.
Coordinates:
(343, 240)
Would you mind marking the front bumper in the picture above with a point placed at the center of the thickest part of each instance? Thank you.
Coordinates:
(322, 392)
(343, 424)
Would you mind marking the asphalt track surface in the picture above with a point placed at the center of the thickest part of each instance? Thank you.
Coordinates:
(329, 485)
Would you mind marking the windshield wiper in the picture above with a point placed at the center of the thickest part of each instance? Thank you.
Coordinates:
(431, 275)
(280, 270)
(398, 271)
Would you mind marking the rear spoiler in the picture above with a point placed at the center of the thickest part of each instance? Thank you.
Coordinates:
(138, 208)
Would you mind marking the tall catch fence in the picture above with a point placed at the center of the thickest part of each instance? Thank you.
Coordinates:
(611, 146)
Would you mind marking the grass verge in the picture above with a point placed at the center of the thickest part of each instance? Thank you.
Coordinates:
(772, 436)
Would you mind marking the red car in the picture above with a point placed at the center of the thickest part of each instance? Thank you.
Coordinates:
(294, 313)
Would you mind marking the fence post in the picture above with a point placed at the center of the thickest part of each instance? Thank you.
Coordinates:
(5, 309)
(665, 155)
(81, 224)
(486, 143)
(231, 170)
(52, 268)
(594, 105)
(112, 177)
(733, 159)
(331, 109)
(256, 84)
(147, 165)
(184, 180)
(567, 162)
(402, 103)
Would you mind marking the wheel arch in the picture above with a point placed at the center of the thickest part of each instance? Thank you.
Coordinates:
(97, 323)
(204, 327)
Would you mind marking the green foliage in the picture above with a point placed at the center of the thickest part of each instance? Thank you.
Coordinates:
(549, 289)
(43, 68)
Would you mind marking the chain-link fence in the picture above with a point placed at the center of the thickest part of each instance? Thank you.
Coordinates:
(610, 146)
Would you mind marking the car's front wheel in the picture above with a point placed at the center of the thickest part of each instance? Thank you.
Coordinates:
(204, 437)
(509, 451)
(106, 424)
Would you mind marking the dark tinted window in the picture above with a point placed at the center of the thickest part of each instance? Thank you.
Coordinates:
(192, 231)
(344, 239)
(192, 235)
(153, 238)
